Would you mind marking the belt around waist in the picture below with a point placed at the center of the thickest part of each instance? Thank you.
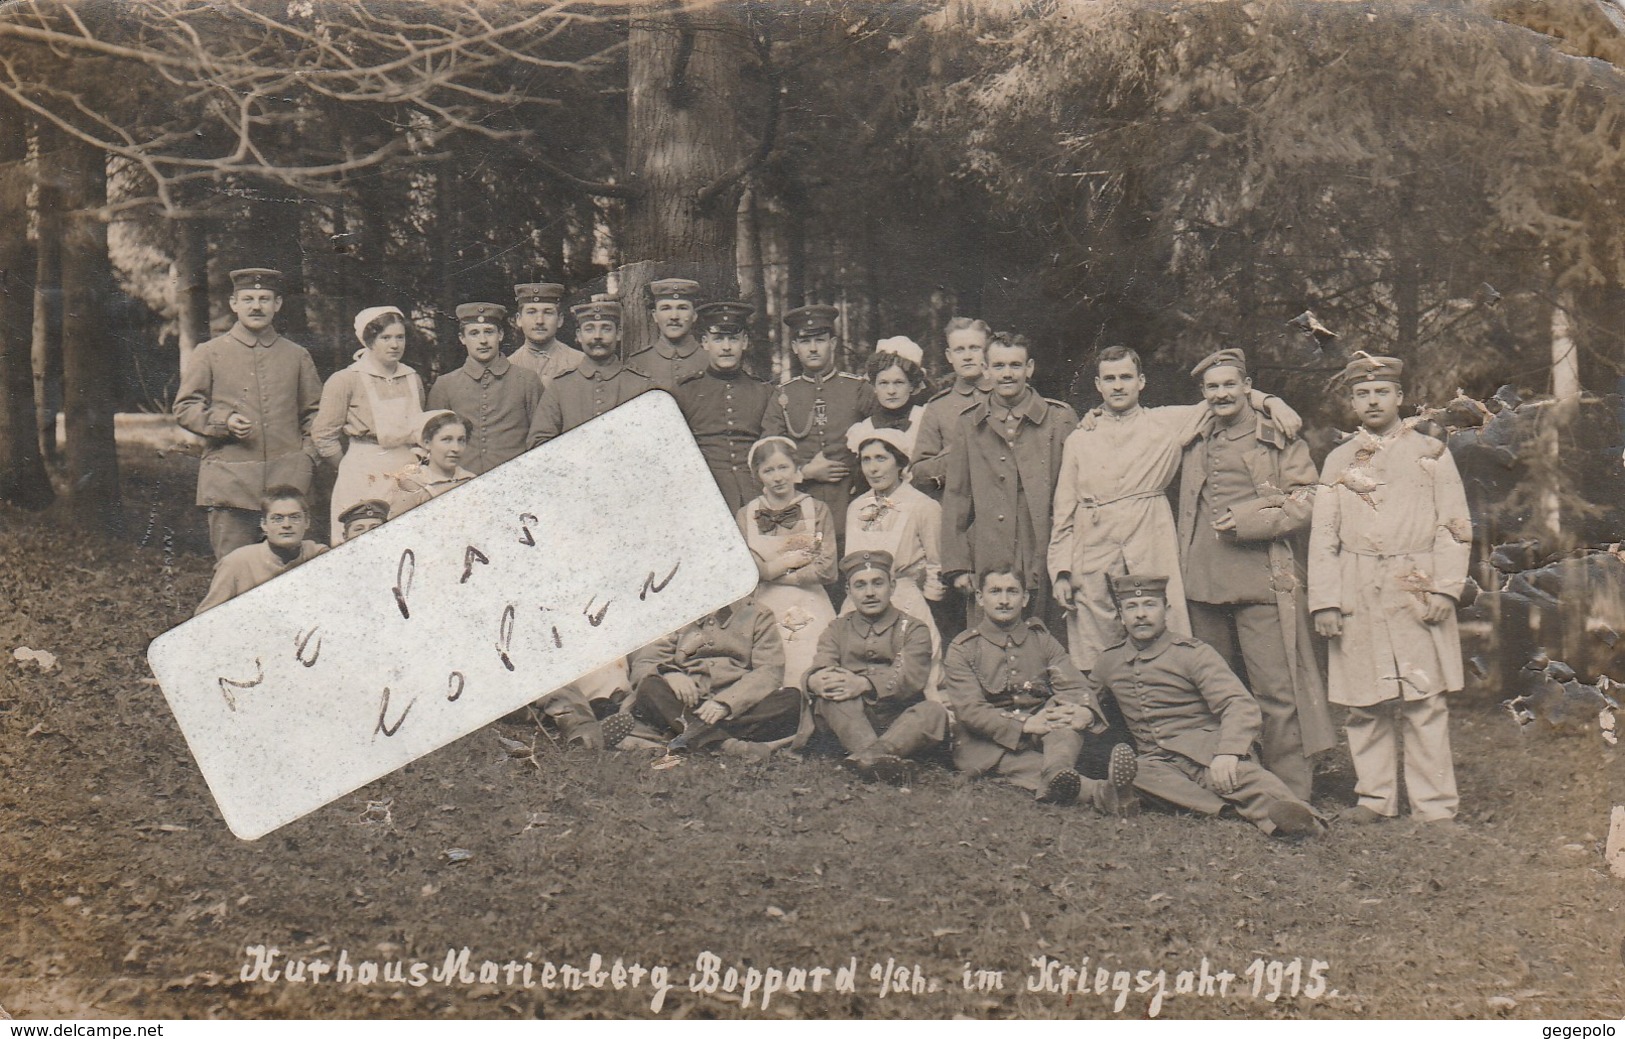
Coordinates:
(1386, 555)
(1090, 503)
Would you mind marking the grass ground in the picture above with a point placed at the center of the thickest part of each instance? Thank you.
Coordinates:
(123, 895)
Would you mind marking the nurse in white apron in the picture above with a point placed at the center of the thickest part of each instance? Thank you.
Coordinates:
(375, 406)
(894, 517)
(792, 536)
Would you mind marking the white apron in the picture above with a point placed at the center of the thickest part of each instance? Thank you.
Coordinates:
(363, 474)
(803, 611)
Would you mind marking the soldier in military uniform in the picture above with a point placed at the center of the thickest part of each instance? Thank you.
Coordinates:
(537, 317)
(675, 353)
(498, 398)
(362, 517)
(600, 383)
(724, 403)
(718, 683)
(1246, 493)
(816, 408)
(996, 510)
(1021, 710)
(252, 396)
(938, 435)
(869, 675)
(1194, 723)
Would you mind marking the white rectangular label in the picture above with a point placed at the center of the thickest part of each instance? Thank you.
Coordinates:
(452, 615)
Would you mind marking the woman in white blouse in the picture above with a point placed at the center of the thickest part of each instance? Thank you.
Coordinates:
(370, 413)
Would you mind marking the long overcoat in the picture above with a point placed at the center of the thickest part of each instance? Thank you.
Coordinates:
(1284, 480)
(1390, 526)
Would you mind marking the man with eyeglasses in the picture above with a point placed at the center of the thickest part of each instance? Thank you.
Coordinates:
(284, 518)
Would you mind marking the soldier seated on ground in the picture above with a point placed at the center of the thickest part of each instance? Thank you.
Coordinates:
(869, 675)
(362, 517)
(1021, 710)
(284, 520)
(1194, 723)
(717, 684)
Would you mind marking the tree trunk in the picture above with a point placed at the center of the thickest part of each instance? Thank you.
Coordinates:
(447, 354)
(685, 150)
(753, 277)
(1565, 355)
(191, 285)
(89, 357)
(23, 480)
(46, 349)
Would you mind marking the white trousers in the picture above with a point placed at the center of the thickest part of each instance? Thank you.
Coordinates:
(1430, 775)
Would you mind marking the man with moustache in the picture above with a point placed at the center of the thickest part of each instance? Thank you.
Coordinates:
(1111, 504)
(1021, 710)
(1245, 497)
(675, 353)
(996, 510)
(599, 383)
(724, 403)
(497, 397)
(1192, 720)
(1388, 552)
(538, 317)
(815, 409)
(869, 675)
(252, 396)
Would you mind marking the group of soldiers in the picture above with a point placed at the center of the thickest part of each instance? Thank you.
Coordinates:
(1187, 667)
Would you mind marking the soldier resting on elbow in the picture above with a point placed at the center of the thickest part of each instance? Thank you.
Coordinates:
(1194, 722)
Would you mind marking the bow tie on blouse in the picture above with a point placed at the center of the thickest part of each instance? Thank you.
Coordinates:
(875, 511)
(769, 520)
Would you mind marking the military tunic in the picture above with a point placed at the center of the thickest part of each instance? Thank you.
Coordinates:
(583, 394)
(893, 652)
(938, 435)
(1184, 707)
(272, 382)
(1246, 587)
(500, 400)
(668, 364)
(550, 362)
(734, 654)
(816, 413)
(724, 411)
(995, 678)
(996, 510)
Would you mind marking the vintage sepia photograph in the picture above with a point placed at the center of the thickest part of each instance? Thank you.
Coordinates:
(812, 509)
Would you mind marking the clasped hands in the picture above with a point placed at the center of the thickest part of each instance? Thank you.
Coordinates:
(837, 683)
(1054, 717)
